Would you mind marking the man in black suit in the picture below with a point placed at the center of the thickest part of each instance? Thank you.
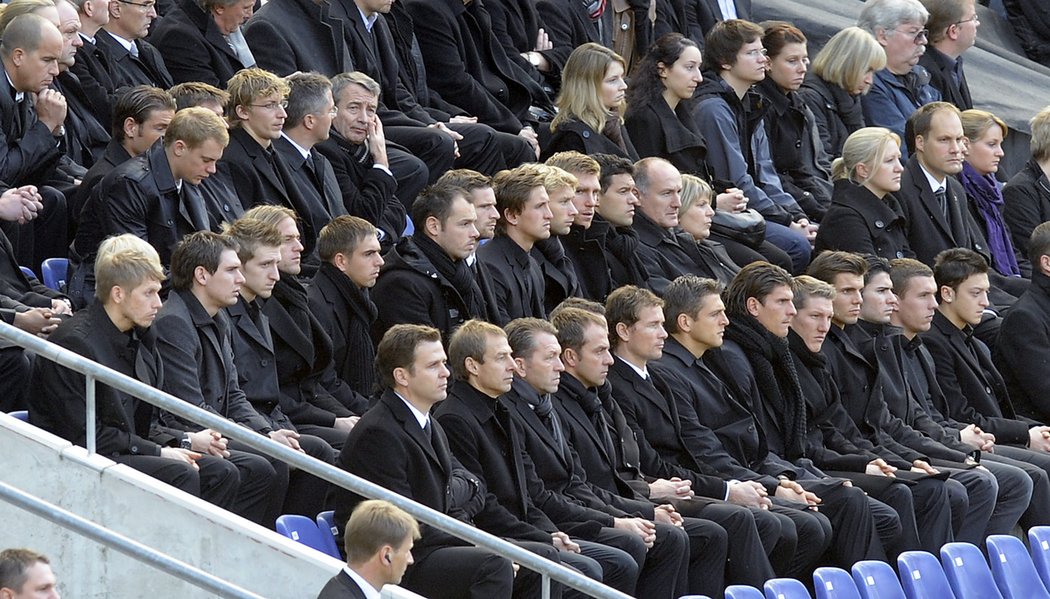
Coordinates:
(559, 273)
(974, 388)
(132, 60)
(364, 162)
(378, 542)
(1024, 341)
(340, 299)
(489, 441)
(92, 66)
(426, 274)
(397, 444)
(584, 243)
(953, 30)
(310, 114)
(259, 250)
(194, 346)
(110, 333)
(154, 195)
(203, 41)
(524, 219)
(85, 136)
(314, 398)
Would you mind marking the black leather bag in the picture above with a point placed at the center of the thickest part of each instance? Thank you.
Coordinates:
(747, 227)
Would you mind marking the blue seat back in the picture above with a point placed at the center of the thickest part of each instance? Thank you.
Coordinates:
(1013, 570)
(301, 529)
(22, 415)
(1039, 541)
(326, 524)
(28, 272)
(834, 583)
(742, 591)
(786, 588)
(922, 576)
(53, 270)
(876, 580)
(967, 572)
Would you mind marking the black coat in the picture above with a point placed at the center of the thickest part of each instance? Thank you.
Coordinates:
(367, 192)
(587, 251)
(569, 25)
(92, 68)
(341, 586)
(509, 265)
(85, 138)
(860, 222)
(973, 388)
(489, 442)
(192, 46)
(665, 437)
(277, 34)
(928, 231)
(196, 351)
(1031, 23)
(559, 273)
(465, 63)
(576, 135)
(515, 24)
(1027, 197)
(122, 421)
(656, 130)
(113, 156)
(28, 151)
(836, 112)
(315, 179)
(669, 254)
(128, 71)
(347, 313)
(1023, 350)
(256, 365)
(941, 67)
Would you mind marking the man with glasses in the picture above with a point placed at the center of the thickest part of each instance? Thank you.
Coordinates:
(132, 60)
(903, 86)
(953, 30)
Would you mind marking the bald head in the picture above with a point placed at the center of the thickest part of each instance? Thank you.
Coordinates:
(31, 49)
(659, 190)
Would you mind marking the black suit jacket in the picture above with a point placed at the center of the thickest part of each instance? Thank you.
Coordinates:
(559, 273)
(568, 25)
(28, 151)
(940, 67)
(255, 361)
(122, 422)
(113, 156)
(92, 68)
(341, 586)
(324, 191)
(669, 254)
(196, 351)
(128, 71)
(1023, 350)
(192, 47)
(86, 137)
(653, 415)
(928, 231)
(508, 265)
(286, 36)
(973, 388)
(347, 313)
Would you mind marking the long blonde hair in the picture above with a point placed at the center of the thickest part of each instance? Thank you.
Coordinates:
(581, 80)
(865, 146)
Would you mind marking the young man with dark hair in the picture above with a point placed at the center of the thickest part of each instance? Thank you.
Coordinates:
(729, 115)
(399, 445)
(194, 347)
(340, 297)
(427, 272)
(129, 276)
(525, 218)
(973, 387)
(614, 250)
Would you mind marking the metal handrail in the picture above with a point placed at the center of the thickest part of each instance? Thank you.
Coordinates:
(123, 544)
(94, 371)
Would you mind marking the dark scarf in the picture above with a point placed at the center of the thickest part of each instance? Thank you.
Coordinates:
(358, 365)
(289, 292)
(775, 374)
(455, 272)
(816, 363)
(989, 201)
(622, 243)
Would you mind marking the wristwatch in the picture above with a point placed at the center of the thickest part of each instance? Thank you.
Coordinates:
(185, 443)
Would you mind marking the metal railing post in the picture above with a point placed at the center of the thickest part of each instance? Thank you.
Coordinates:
(89, 397)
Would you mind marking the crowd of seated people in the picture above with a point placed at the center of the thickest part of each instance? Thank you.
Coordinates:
(641, 292)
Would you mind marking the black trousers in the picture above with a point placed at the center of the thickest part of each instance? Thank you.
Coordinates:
(264, 483)
(460, 573)
(752, 536)
(306, 492)
(853, 533)
(15, 367)
(704, 570)
(1037, 466)
(215, 480)
(806, 533)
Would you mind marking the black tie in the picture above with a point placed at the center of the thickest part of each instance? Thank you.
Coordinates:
(428, 432)
(942, 201)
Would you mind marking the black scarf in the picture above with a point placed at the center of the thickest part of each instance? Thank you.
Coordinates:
(770, 358)
(357, 366)
(455, 272)
(622, 243)
(816, 363)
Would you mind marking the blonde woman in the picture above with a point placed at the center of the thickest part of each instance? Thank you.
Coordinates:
(591, 105)
(864, 216)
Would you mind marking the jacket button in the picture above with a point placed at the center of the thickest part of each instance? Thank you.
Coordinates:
(623, 26)
(879, 224)
(798, 144)
(900, 254)
(134, 449)
(586, 134)
(226, 207)
(987, 390)
(169, 222)
(264, 362)
(751, 428)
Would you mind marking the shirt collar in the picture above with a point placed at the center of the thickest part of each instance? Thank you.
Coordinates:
(366, 587)
(368, 21)
(127, 44)
(934, 183)
(302, 150)
(642, 372)
(18, 95)
(422, 418)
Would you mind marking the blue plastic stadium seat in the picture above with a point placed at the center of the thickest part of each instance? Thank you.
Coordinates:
(786, 588)
(922, 576)
(22, 415)
(834, 583)
(742, 591)
(1013, 570)
(877, 580)
(28, 272)
(967, 572)
(302, 530)
(326, 524)
(1039, 540)
(54, 272)
(694, 597)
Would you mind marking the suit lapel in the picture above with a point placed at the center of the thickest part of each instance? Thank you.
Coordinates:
(530, 419)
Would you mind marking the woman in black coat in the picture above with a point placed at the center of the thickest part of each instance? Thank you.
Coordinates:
(842, 72)
(864, 217)
(590, 105)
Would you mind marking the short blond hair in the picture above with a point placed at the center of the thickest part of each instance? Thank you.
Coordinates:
(125, 261)
(194, 126)
(248, 85)
(805, 287)
(557, 178)
(271, 214)
(373, 524)
(575, 162)
(847, 57)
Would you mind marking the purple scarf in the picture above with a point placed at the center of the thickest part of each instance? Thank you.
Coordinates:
(988, 198)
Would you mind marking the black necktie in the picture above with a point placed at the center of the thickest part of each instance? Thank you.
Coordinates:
(428, 432)
(942, 201)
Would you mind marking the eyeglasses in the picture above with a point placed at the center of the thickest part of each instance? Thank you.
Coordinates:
(146, 5)
(972, 19)
(917, 37)
(757, 52)
(271, 106)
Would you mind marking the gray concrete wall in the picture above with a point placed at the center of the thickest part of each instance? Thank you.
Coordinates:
(148, 511)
